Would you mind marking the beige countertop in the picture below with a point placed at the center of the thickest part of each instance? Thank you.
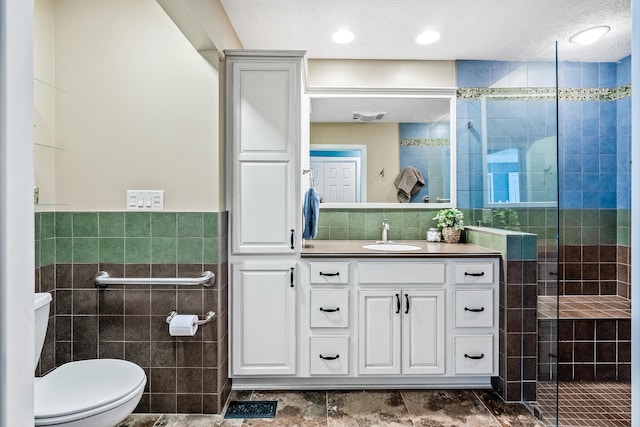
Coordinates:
(354, 248)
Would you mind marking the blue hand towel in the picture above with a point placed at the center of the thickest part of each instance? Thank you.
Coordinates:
(311, 212)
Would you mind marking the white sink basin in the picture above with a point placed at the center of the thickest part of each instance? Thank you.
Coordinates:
(391, 247)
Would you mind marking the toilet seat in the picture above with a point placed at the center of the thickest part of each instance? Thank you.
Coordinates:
(81, 389)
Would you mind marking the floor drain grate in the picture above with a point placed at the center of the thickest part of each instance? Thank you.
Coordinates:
(251, 409)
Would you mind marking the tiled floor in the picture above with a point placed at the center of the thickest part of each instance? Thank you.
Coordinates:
(424, 408)
(585, 404)
(584, 307)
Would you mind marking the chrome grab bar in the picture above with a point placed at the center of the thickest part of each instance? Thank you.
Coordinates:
(103, 279)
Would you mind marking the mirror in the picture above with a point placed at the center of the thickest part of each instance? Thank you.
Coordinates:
(383, 149)
(519, 151)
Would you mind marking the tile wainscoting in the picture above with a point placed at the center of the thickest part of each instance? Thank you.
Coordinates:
(184, 374)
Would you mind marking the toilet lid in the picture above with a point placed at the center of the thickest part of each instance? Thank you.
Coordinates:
(85, 385)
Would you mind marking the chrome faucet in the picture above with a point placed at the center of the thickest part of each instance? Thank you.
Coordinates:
(385, 231)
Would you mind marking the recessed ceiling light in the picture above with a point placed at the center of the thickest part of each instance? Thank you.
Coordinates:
(428, 37)
(342, 36)
(590, 35)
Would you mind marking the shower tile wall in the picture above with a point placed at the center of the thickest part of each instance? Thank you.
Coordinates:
(594, 172)
(518, 319)
(186, 374)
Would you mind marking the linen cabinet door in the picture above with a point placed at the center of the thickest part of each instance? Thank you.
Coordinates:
(264, 133)
(379, 332)
(263, 328)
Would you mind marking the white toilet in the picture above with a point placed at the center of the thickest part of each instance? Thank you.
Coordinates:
(88, 393)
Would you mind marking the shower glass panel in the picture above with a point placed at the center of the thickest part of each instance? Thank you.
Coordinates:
(594, 340)
(514, 185)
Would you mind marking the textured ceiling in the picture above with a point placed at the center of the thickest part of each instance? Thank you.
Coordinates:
(471, 29)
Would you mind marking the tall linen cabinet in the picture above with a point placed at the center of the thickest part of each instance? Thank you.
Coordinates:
(265, 130)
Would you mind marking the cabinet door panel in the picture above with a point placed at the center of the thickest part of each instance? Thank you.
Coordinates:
(265, 221)
(423, 332)
(379, 332)
(264, 112)
(263, 314)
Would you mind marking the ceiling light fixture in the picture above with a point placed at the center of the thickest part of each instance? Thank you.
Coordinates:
(428, 37)
(590, 35)
(342, 36)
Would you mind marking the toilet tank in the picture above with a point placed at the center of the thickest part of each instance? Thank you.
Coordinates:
(42, 301)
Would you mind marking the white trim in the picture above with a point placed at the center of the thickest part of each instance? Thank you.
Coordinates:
(369, 382)
(16, 213)
(635, 216)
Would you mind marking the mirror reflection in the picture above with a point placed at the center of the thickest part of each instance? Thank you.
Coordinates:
(382, 149)
(519, 151)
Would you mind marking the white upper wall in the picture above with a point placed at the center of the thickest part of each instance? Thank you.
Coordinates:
(141, 111)
(144, 110)
(362, 73)
(44, 98)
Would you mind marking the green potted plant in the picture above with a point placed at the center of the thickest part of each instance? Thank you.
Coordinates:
(450, 221)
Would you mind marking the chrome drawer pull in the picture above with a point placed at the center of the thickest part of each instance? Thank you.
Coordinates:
(474, 310)
(337, 356)
(474, 357)
(330, 274)
(329, 310)
(474, 274)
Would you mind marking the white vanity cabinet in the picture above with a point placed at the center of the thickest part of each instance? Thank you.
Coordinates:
(383, 321)
(393, 321)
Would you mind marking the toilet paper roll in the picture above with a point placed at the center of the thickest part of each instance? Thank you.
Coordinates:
(183, 325)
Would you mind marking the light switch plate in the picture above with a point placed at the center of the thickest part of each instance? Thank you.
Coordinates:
(145, 200)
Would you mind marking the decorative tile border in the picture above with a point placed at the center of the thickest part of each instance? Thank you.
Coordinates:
(424, 142)
(545, 93)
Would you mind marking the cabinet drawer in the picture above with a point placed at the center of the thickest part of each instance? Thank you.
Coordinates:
(473, 354)
(329, 356)
(401, 272)
(473, 272)
(473, 308)
(330, 308)
(329, 272)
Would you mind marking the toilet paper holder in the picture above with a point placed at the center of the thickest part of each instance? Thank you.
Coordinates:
(208, 317)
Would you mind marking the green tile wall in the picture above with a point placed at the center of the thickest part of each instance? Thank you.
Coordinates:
(365, 224)
(126, 237)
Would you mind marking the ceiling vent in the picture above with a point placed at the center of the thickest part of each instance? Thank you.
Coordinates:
(368, 116)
